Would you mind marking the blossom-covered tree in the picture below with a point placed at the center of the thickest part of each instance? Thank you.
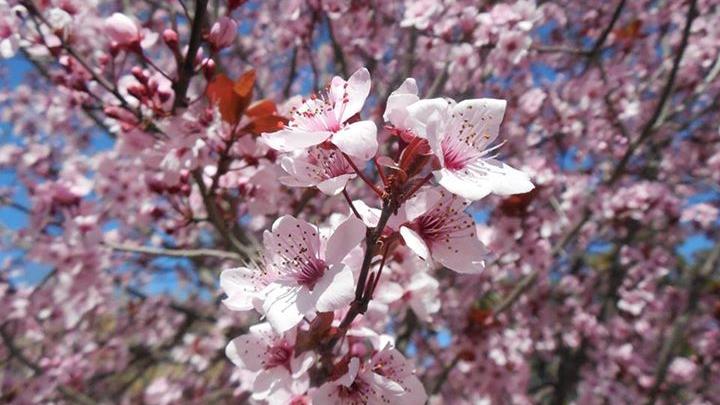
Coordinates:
(336, 201)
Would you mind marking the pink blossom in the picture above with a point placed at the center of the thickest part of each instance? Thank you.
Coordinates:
(438, 227)
(326, 169)
(387, 377)
(459, 135)
(272, 356)
(302, 272)
(326, 118)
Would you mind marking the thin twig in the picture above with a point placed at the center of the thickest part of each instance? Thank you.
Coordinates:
(189, 253)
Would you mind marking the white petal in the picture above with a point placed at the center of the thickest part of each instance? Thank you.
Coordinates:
(270, 380)
(241, 287)
(334, 185)
(414, 390)
(353, 368)
(345, 237)
(420, 112)
(285, 306)
(247, 352)
(421, 203)
(482, 177)
(370, 216)
(464, 255)
(415, 242)
(292, 234)
(486, 114)
(462, 185)
(396, 107)
(291, 139)
(358, 139)
(502, 178)
(327, 394)
(358, 88)
(335, 290)
(386, 385)
(299, 174)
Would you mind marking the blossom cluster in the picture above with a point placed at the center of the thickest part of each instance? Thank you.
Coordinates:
(284, 201)
(313, 280)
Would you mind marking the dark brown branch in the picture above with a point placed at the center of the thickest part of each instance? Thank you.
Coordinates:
(186, 70)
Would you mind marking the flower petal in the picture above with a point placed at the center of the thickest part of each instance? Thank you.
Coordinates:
(420, 112)
(462, 185)
(291, 139)
(345, 237)
(396, 107)
(335, 290)
(270, 380)
(285, 306)
(247, 352)
(461, 254)
(485, 114)
(290, 237)
(242, 286)
(334, 185)
(483, 176)
(370, 216)
(358, 139)
(415, 242)
(357, 90)
(421, 203)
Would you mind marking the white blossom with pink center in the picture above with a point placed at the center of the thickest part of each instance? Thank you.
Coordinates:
(279, 368)
(434, 225)
(326, 169)
(302, 272)
(326, 118)
(459, 135)
(438, 227)
(386, 378)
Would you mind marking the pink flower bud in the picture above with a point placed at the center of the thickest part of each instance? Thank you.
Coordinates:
(122, 30)
(170, 37)
(208, 68)
(222, 33)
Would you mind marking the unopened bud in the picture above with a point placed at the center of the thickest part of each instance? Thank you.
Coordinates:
(170, 37)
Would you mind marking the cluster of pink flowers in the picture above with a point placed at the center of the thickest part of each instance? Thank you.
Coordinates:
(338, 201)
(308, 272)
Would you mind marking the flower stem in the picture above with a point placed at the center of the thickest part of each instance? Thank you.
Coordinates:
(363, 177)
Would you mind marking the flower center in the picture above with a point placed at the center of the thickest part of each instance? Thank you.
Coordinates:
(328, 164)
(316, 114)
(458, 151)
(309, 272)
(279, 355)
(443, 223)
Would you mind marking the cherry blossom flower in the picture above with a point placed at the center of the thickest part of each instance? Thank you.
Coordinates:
(302, 272)
(328, 118)
(279, 368)
(326, 169)
(387, 377)
(459, 135)
(438, 228)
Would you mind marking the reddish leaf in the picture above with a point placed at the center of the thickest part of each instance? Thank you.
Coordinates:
(220, 92)
(261, 107)
(244, 85)
(266, 123)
